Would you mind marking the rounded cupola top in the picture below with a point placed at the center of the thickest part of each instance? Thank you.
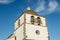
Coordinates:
(29, 11)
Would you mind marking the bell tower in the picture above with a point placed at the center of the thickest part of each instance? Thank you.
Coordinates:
(35, 26)
(30, 26)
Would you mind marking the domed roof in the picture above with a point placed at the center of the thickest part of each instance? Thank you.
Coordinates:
(29, 11)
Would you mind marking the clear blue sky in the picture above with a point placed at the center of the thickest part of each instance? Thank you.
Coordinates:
(9, 11)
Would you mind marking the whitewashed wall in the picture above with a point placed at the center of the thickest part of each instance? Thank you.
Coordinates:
(19, 33)
(28, 18)
(43, 21)
(16, 24)
(21, 21)
(31, 32)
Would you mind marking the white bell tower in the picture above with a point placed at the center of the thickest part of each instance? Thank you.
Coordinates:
(30, 26)
(35, 26)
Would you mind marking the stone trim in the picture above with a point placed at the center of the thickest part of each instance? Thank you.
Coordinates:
(24, 29)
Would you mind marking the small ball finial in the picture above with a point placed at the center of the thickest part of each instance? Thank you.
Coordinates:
(28, 8)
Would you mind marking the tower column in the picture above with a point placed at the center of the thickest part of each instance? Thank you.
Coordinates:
(24, 29)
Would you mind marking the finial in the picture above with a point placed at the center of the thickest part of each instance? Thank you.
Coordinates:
(28, 8)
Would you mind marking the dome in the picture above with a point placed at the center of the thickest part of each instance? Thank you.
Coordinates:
(29, 11)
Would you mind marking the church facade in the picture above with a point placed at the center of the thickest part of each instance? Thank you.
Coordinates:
(30, 26)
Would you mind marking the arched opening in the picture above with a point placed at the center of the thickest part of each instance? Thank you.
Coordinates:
(32, 19)
(38, 20)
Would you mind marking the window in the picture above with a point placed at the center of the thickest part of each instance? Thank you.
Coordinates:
(38, 20)
(19, 22)
(32, 19)
(37, 32)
